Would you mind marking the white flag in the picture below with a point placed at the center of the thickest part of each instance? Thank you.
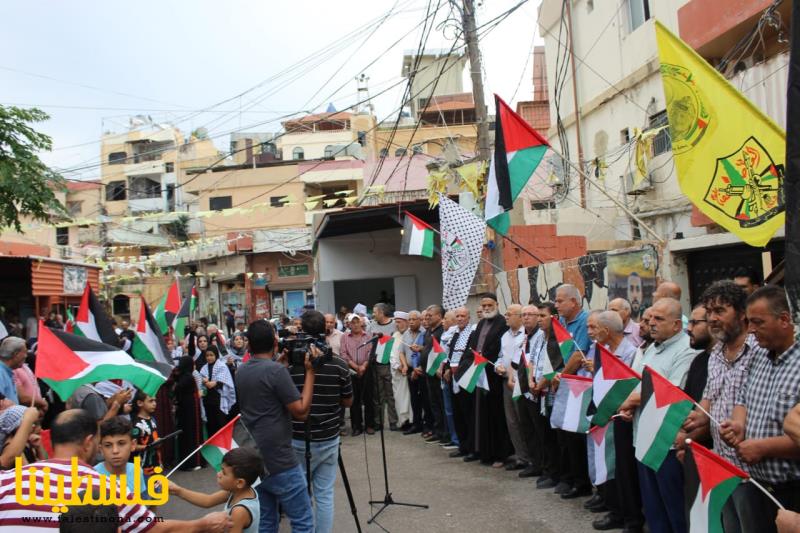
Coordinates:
(462, 244)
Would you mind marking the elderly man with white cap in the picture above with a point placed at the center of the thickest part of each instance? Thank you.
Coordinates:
(402, 395)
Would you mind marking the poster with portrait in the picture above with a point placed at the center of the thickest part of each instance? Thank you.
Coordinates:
(74, 279)
(632, 275)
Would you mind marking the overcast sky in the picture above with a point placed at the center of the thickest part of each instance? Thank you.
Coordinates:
(92, 64)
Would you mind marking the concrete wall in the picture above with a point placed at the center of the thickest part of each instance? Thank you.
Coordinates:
(363, 256)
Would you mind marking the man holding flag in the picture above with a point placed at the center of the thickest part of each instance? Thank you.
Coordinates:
(670, 355)
(434, 383)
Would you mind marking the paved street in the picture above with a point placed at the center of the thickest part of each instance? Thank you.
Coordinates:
(463, 497)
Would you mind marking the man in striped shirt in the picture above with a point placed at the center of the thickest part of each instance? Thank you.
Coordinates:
(74, 434)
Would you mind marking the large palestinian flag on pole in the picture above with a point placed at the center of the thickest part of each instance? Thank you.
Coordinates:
(613, 383)
(436, 357)
(602, 455)
(663, 410)
(571, 402)
(709, 480)
(65, 362)
(148, 345)
(417, 237)
(184, 314)
(92, 321)
(472, 371)
(233, 435)
(168, 308)
(518, 151)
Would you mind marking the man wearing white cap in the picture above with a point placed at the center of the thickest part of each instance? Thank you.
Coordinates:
(355, 352)
(402, 395)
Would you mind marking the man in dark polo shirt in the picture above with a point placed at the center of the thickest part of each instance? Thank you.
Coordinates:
(333, 391)
(268, 401)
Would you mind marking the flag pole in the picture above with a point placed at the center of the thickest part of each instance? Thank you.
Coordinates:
(233, 420)
(707, 414)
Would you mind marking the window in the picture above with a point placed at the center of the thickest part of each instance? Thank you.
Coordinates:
(384, 152)
(74, 208)
(268, 148)
(62, 236)
(362, 138)
(328, 152)
(400, 152)
(276, 201)
(121, 305)
(142, 187)
(233, 147)
(115, 190)
(624, 136)
(662, 142)
(638, 12)
(298, 154)
(589, 6)
(287, 271)
(218, 203)
(169, 166)
(117, 158)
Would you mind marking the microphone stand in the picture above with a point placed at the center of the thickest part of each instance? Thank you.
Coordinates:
(387, 497)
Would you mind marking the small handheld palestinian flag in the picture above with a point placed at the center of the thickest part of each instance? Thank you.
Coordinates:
(521, 386)
(168, 308)
(473, 373)
(383, 349)
(518, 151)
(437, 356)
(602, 457)
(664, 408)
(613, 383)
(148, 345)
(234, 434)
(69, 326)
(417, 237)
(92, 321)
(182, 318)
(65, 362)
(566, 344)
(709, 482)
(570, 404)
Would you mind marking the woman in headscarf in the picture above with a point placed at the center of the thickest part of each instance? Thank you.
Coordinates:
(220, 394)
(188, 412)
(196, 347)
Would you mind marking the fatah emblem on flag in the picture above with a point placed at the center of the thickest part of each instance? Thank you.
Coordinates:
(462, 243)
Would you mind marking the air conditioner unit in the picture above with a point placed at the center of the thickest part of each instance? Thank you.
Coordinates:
(642, 187)
(203, 282)
(65, 252)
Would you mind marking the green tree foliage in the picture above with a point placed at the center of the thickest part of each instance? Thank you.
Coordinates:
(27, 186)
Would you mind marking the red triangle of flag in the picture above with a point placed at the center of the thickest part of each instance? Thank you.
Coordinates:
(54, 360)
(173, 303)
(83, 311)
(517, 133)
(577, 384)
(598, 433)
(437, 348)
(141, 326)
(384, 339)
(713, 469)
(479, 358)
(665, 392)
(224, 437)
(613, 367)
(419, 224)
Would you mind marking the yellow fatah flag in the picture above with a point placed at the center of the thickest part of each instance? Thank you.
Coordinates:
(729, 156)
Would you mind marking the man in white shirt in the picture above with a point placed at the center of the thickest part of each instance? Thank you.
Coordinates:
(511, 345)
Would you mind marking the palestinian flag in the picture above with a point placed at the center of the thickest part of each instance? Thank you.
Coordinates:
(571, 402)
(417, 237)
(613, 383)
(473, 373)
(602, 458)
(383, 349)
(92, 321)
(663, 409)
(148, 345)
(548, 371)
(168, 308)
(184, 314)
(65, 362)
(437, 356)
(69, 327)
(566, 344)
(233, 435)
(47, 442)
(709, 480)
(518, 151)
(523, 374)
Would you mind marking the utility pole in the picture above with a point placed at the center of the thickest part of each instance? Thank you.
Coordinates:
(476, 71)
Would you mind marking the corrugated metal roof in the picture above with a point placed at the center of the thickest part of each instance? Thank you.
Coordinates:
(47, 277)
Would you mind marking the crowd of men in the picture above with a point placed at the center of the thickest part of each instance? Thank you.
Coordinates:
(735, 353)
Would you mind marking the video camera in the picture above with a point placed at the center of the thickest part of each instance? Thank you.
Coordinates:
(300, 344)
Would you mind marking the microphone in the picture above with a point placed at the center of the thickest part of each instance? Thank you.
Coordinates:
(373, 339)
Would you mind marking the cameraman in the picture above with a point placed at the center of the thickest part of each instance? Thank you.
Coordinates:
(268, 400)
(333, 391)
